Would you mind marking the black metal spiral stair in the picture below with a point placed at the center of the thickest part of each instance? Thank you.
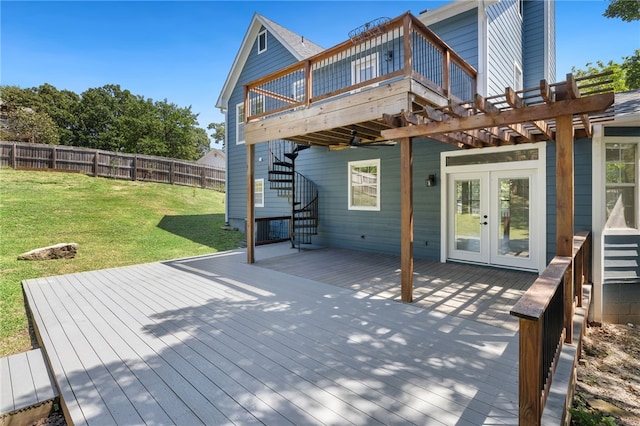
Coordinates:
(301, 192)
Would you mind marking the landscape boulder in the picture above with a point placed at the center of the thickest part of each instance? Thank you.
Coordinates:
(58, 251)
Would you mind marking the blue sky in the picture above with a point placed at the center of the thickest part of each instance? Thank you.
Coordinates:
(182, 51)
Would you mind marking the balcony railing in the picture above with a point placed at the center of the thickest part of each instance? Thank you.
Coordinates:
(383, 54)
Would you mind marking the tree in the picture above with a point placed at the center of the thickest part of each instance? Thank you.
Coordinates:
(627, 10)
(218, 131)
(631, 67)
(26, 125)
(625, 75)
(107, 117)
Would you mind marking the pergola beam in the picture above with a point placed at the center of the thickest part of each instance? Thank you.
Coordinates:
(591, 104)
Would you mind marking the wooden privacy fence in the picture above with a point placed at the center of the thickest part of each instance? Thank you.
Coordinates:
(546, 323)
(95, 162)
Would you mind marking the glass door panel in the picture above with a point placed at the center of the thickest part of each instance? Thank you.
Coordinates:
(468, 231)
(467, 227)
(513, 227)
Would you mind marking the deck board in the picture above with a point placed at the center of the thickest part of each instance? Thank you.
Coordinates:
(214, 340)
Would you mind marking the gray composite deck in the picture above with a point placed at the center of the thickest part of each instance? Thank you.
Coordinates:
(24, 382)
(212, 340)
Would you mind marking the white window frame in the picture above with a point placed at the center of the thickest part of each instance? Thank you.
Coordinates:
(357, 66)
(240, 123)
(622, 140)
(363, 163)
(258, 192)
(262, 35)
(517, 76)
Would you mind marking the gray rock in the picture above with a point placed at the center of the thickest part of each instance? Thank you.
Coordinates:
(58, 251)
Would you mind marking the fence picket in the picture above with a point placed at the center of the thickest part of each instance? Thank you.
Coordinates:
(114, 165)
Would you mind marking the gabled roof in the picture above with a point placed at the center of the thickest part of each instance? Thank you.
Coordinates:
(299, 47)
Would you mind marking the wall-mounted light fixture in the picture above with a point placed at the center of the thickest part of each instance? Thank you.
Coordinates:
(431, 180)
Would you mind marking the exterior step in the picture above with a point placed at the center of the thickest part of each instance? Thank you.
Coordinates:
(27, 391)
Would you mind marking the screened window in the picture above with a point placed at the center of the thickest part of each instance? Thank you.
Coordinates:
(621, 184)
(364, 185)
(240, 123)
(262, 41)
(258, 199)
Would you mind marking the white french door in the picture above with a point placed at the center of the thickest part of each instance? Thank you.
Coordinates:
(491, 218)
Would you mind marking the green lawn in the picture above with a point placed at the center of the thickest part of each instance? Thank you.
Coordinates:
(114, 222)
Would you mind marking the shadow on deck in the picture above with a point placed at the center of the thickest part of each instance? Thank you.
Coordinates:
(472, 292)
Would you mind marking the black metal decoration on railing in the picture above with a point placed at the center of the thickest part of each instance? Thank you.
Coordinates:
(369, 30)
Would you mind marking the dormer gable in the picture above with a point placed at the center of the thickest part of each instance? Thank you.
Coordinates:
(257, 35)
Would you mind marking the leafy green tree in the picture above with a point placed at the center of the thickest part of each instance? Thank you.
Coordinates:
(108, 118)
(61, 106)
(217, 132)
(627, 10)
(631, 67)
(26, 125)
(625, 75)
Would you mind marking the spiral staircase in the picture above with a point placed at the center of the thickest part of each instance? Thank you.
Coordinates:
(301, 192)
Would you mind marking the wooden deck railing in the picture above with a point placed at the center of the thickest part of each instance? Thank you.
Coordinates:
(381, 54)
(546, 322)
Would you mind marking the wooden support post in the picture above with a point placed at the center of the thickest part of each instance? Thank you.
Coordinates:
(308, 83)
(446, 78)
(406, 220)
(96, 163)
(530, 378)
(408, 46)
(564, 211)
(14, 157)
(251, 152)
(172, 169)
(54, 159)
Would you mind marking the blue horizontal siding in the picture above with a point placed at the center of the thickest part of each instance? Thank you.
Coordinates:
(257, 65)
(583, 191)
(460, 32)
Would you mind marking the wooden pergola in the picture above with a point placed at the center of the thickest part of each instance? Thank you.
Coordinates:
(551, 112)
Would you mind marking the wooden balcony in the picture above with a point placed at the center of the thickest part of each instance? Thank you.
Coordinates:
(388, 67)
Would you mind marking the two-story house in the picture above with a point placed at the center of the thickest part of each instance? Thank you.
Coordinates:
(309, 148)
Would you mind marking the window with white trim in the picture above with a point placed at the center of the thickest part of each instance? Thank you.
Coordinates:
(258, 193)
(262, 41)
(517, 76)
(364, 185)
(240, 123)
(621, 189)
(364, 69)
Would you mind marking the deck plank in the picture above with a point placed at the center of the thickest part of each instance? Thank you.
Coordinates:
(214, 340)
(6, 388)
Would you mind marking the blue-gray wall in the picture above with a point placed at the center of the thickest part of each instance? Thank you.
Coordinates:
(344, 228)
(538, 41)
(582, 191)
(257, 65)
(460, 32)
(504, 45)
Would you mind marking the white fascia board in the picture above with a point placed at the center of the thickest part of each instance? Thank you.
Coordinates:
(454, 8)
